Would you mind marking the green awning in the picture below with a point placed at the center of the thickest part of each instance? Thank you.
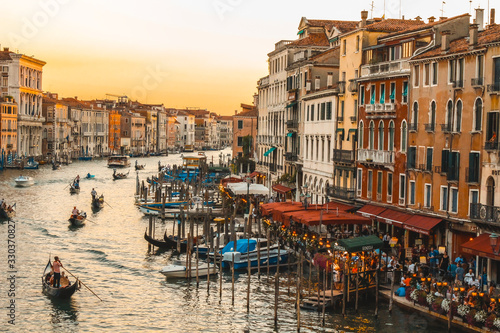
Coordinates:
(291, 104)
(290, 134)
(300, 32)
(358, 244)
(341, 131)
(269, 151)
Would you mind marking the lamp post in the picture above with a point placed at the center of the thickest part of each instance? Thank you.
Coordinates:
(304, 197)
(494, 243)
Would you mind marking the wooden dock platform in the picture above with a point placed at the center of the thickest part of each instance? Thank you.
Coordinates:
(315, 303)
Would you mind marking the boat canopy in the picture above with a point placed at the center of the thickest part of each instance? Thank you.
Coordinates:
(241, 246)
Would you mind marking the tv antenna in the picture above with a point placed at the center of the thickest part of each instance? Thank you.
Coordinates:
(372, 6)
(442, 9)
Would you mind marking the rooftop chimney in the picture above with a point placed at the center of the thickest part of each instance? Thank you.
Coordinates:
(492, 16)
(6, 49)
(473, 34)
(418, 19)
(480, 18)
(445, 40)
(431, 19)
(364, 17)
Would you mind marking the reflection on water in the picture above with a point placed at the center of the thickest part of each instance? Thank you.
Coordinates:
(109, 255)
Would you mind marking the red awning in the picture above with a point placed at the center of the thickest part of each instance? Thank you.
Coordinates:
(281, 188)
(392, 216)
(226, 181)
(284, 207)
(371, 210)
(267, 208)
(421, 224)
(332, 207)
(480, 246)
(329, 219)
(255, 173)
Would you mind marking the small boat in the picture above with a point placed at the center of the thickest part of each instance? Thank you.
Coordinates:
(172, 242)
(56, 166)
(24, 181)
(89, 176)
(98, 202)
(7, 212)
(79, 220)
(159, 243)
(32, 164)
(74, 188)
(178, 269)
(118, 161)
(117, 176)
(139, 166)
(85, 158)
(65, 291)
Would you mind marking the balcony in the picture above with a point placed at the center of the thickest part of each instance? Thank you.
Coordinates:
(383, 68)
(412, 127)
(484, 213)
(430, 127)
(291, 157)
(341, 86)
(353, 86)
(379, 107)
(446, 128)
(23, 117)
(340, 118)
(345, 156)
(458, 84)
(492, 146)
(292, 124)
(381, 157)
(477, 82)
(369, 108)
(390, 107)
(354, 119)
(494, 88)
(341, 192)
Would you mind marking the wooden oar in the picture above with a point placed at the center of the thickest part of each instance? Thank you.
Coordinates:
(70, 183)
(82, 283)
(108, 204)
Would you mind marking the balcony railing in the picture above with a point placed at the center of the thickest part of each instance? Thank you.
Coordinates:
(291, 157)
(341, 192)
(385, 67)
(346, 156)
(340, 118)
(369, 108)
(390, 107)
(430, 127)
(458, 84)
(484, 213)
(293, 124)
(478, 81)
(353, 86)
(446, 128)
(412, 127)
(341, 86)
(354, 119)
(494, 88)
(376, 156)
(488, 145)
(379, 107)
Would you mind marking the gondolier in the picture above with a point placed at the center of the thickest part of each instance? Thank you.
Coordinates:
(56, 266)
(94, 194)
(75, 212)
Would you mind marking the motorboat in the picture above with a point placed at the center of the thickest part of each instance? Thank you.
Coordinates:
(118, 161)
(24, 181)
(178, 269)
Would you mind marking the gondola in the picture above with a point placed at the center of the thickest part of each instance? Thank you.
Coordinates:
(157, 242)
(63, 291)
(74, 189)
(79, 220)
(139, 166)
(56, 166)
(89, 176)
(120, 175)
(98, 202)
(172, 242)
(6, 213)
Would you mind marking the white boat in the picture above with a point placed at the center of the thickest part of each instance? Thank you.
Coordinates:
(178, 269)
(118, 161)
(24, 181)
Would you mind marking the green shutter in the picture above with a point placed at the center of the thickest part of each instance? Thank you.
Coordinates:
(393, 93)
(382, 95)
(429, 159)
(445, 160)
(372, 100)
(405, 92)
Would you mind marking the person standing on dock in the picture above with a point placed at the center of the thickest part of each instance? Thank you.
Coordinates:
(56, 266)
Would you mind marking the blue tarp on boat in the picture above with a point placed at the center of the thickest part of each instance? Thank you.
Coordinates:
(241, 246)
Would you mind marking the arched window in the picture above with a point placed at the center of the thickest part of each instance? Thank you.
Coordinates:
(458, 117)
(381, 135)
(404, 130)
(449, 115)
(432, 115)
(414, 119)
(390, 146)
(360, 135)
(371, 134)
(478, 112)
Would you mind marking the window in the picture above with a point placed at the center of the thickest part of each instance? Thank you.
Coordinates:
(405, 92)
(389, 187)
(412, 158)
(412, 192)
(370, 183)
(240, 141)
(356, 73)
(371, 135)
(458, 117)
(454, 200)
(312, 112)
(381, 135)
(434, 73)
(480, 69)
(355, 109)
(323, 111)
(414, 117)
(382, 93)
(308, 112)
(452, 68)
(473, 167)
(357, 44)
(444, 198)
(404, 143)
(362, 95)
(373, 91)
(432, 116)
(240, 124)
(460, 72)
(329, 111)
(478, 114)
(344, 47)
(428, 165)
(379, 183)
(359, 180)
(392, 96)
(474, 200)
(390, 145)
(449, 115)
(402, 189)
(342, 103)
(445, 156)
(360, 135)
(416, 78)
(427, 74)
(454, 166)
(427, 195)
(492, 122)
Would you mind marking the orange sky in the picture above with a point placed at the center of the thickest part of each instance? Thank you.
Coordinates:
(196, 53)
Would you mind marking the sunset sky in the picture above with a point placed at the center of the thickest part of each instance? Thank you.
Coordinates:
(196, 53)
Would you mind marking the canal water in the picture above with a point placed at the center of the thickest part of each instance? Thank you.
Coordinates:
(109, 254)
